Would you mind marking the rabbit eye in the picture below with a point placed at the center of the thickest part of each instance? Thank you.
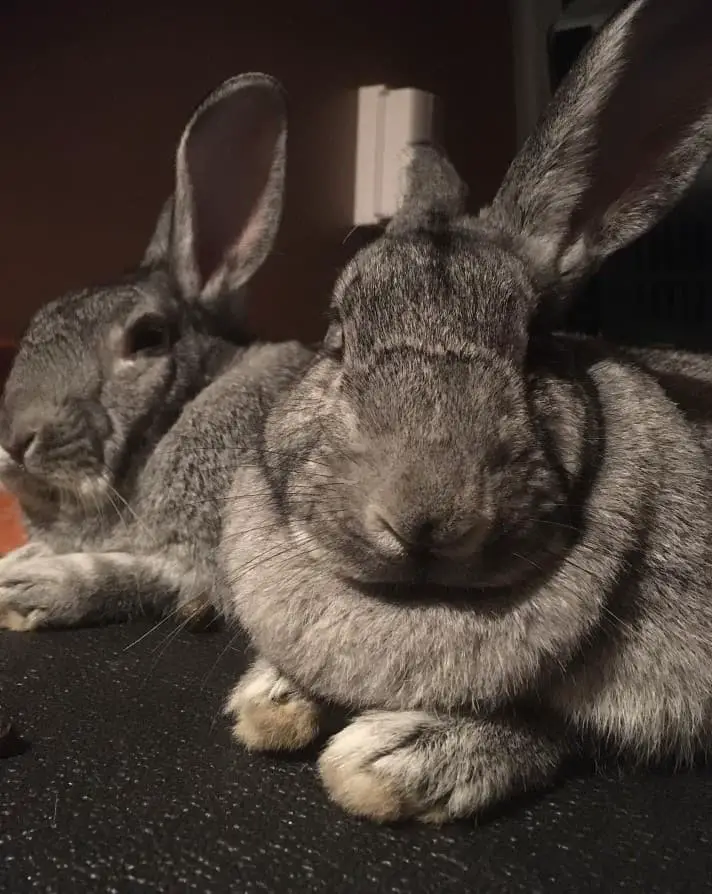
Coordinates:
(148, 335)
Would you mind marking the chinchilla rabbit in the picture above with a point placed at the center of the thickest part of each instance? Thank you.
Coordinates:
(487, 539)
(128, 406)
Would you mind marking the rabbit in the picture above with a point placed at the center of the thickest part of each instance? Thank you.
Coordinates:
(128, 406)
(488, 541)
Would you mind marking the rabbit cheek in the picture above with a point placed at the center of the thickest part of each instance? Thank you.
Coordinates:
(138, 395)
(69, 454)
(311, 473)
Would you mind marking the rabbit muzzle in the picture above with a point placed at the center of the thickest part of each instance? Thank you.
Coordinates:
(60, 445)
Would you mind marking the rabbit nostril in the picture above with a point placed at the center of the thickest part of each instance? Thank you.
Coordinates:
(19, 445)
(417, 536)
(427, 536)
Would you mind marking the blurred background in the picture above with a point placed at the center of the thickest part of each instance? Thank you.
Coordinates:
(94, 96)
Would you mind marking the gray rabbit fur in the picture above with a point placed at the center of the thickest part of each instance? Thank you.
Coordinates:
(487, 540)
(128, 407)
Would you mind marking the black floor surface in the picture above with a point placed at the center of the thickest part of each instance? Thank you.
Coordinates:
(132, 784)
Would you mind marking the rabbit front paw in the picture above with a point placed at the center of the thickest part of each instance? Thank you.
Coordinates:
(21, 621)
(377, 767)
(42, 589)
(270, 713)
(30, 584)
(389, 766)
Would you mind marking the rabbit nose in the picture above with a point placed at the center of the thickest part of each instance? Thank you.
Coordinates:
(428, 536)
(417, 536)
(18, 444)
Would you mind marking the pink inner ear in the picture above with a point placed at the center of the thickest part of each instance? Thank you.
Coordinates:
(230, 154)
(249, 239)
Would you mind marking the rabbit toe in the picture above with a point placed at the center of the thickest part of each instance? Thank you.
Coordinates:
(270, 714)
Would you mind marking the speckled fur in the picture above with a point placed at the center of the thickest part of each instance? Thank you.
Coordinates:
(563, 486)
(135, 444)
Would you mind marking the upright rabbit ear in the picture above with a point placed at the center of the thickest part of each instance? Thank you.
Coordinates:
(621, 141)
(433, 193)
(230, 171)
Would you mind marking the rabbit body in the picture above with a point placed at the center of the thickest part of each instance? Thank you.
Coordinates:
(485, 538)
(612, 628)
(129, 406)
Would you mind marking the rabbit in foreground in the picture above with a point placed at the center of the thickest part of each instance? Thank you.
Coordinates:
(128, 406)
(484, 539)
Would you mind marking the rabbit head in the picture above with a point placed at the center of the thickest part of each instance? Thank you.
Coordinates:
(102, 373)
(412, 451)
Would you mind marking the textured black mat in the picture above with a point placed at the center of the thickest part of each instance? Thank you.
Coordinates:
(131, 783)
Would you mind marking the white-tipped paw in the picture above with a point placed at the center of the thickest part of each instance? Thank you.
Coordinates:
(270, 713)
(31, 586)
(365, 767)
(392, 766)
(12, 619)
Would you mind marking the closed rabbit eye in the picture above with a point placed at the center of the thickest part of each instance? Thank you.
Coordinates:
(150, 335)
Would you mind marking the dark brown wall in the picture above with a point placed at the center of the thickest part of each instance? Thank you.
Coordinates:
(93, 97)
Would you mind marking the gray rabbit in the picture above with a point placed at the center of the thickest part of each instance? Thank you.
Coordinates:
(487, 540)
(129, 406)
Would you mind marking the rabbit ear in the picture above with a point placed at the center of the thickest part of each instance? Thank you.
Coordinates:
(159, 246)
(433, 193)
(619, 144)
(230, 171)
